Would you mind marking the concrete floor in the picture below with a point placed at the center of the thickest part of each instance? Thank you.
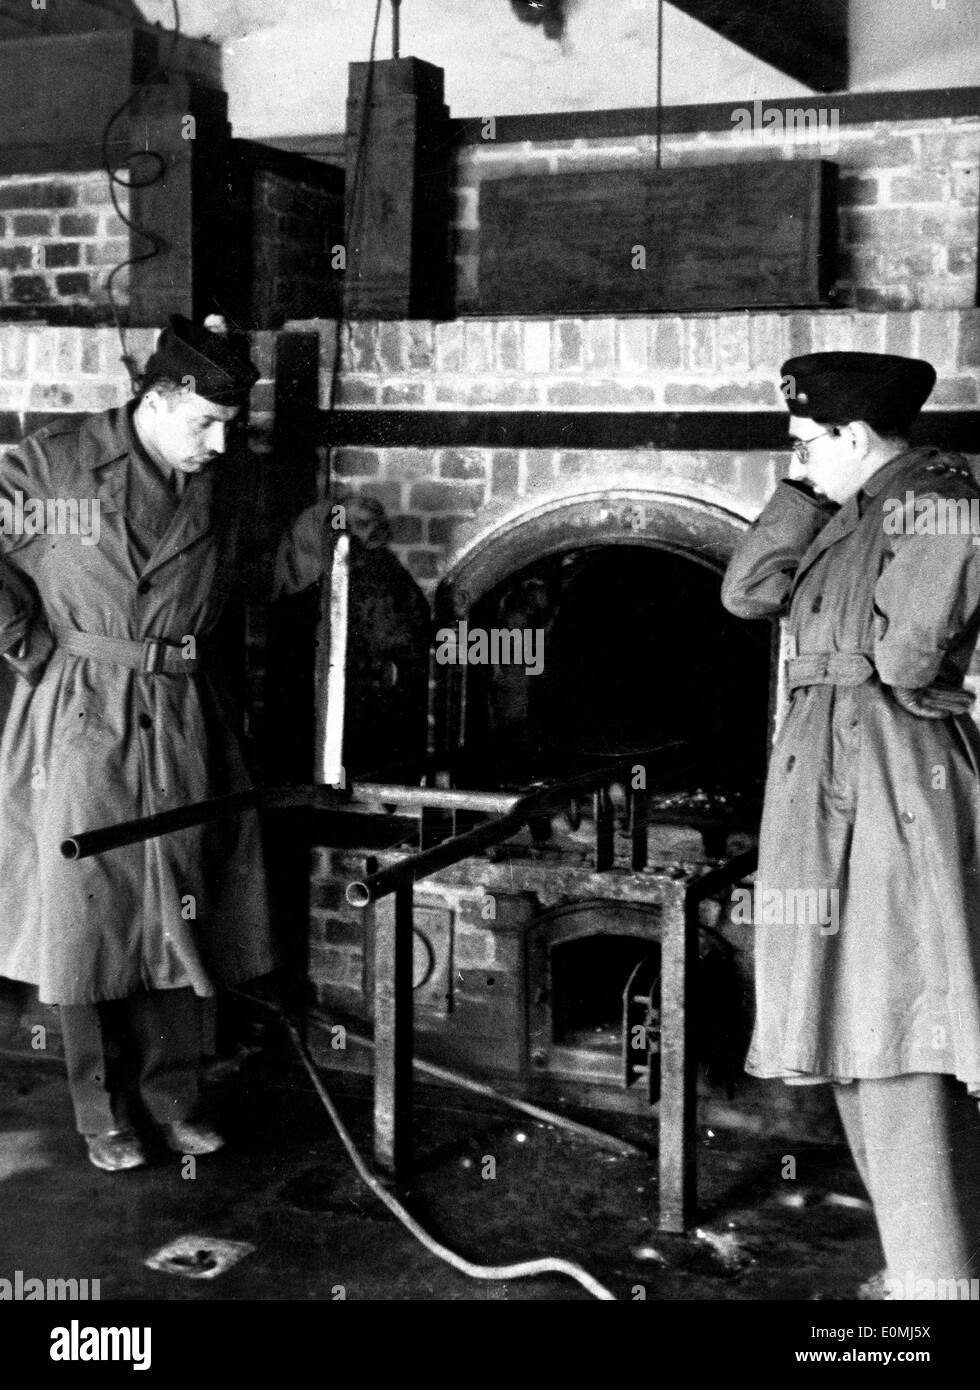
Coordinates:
(284, 1185)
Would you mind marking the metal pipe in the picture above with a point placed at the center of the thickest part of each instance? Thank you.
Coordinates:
(396, 28)
(131, 832)
(549, 800)
(432, 798)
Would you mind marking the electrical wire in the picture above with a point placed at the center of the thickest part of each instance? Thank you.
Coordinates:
(522, 1269)
(158, 171)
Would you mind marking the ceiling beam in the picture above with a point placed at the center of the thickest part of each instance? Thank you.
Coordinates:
(807, 42)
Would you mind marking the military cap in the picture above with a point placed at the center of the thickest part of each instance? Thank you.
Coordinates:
(217, 364)
(834, 388)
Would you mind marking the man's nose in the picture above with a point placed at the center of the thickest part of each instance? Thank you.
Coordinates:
(216, 436)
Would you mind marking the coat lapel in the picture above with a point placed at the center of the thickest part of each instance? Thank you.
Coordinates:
(193, 519)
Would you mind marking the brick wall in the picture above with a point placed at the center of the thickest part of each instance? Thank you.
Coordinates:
(59, 238)
(442, 498)
(908, 199)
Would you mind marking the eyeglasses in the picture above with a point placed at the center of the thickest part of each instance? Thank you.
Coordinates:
(801, 447)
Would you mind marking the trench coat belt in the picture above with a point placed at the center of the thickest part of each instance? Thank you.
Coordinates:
(153, 656)
(829, 668)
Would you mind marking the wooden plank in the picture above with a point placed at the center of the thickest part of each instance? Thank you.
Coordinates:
(807, 42)
(393, 1033)
(678, 1095)
(726, 236)
(851, 108)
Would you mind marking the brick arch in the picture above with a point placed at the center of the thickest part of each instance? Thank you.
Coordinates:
(701, 531)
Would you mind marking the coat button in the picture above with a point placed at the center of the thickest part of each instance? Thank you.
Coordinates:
(817, 604)
(908, 817)
(144, 586)
(145, 722)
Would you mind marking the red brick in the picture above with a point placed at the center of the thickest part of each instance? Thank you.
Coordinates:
(631, 353)
(406, 530)
(355, 463)
(872, 300)
(969, 354)
(13, 352)
(506, 472)
(409, 465)
(567, 345)
(360, 353)
(356, 391)
(445, 497)
(733, 343)
(61, 255)
(962, 260)
(77, 224)
(917, 188)
(490, 391)
(955, 391)
(540, 468)
(449, 347)
(898, 334)
(442, 528)
(15, 257)
(29, 289)
(600, 344)
(420, 346)
(51, 396)
(937, 337)
(462, 463)
(388, 494)
(767, 341)
(36, 195)
(32, 224)
(665, 345)
(510, 347)
(392, 343)
(478, 342)
(423, 564)
(701, 335)
(745, 396)
(603, 394)
(537, 346)
(403, 393)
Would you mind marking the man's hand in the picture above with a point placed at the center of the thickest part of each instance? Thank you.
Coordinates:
(932, 702)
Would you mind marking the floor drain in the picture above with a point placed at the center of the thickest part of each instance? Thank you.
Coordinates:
(198, 1257)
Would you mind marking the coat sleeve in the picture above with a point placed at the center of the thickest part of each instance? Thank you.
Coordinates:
(926, 601)
(25, 642)
(760, 574)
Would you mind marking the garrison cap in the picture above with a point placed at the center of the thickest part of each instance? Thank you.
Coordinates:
(217, 363)
(834, 388)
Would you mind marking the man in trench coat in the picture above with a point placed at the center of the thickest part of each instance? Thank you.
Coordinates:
(119, 712)
(868, 889)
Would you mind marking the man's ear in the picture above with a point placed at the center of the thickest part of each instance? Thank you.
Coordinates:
(861, 437)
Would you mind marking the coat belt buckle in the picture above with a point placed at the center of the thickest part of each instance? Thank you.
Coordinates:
(154, 655)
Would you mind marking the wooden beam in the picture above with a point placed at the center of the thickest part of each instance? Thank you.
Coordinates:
(807, 42)
(393, 1032)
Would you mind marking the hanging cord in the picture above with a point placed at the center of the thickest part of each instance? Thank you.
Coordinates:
(355, 189)
(153, 175)
(524, 1269)
(660, 75)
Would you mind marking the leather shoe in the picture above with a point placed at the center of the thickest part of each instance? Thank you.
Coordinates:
(115, 1150)
(186, 1138)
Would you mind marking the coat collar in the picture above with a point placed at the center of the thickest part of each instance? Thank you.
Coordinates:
(108, 445)
(844, 521)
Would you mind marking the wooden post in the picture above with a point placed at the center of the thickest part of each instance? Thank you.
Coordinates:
(398, 139)
(393, 1039)
(678, 1091)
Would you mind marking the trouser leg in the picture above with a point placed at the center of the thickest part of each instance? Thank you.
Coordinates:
(919, 1139)
(167, 1028)
(91, 1059)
